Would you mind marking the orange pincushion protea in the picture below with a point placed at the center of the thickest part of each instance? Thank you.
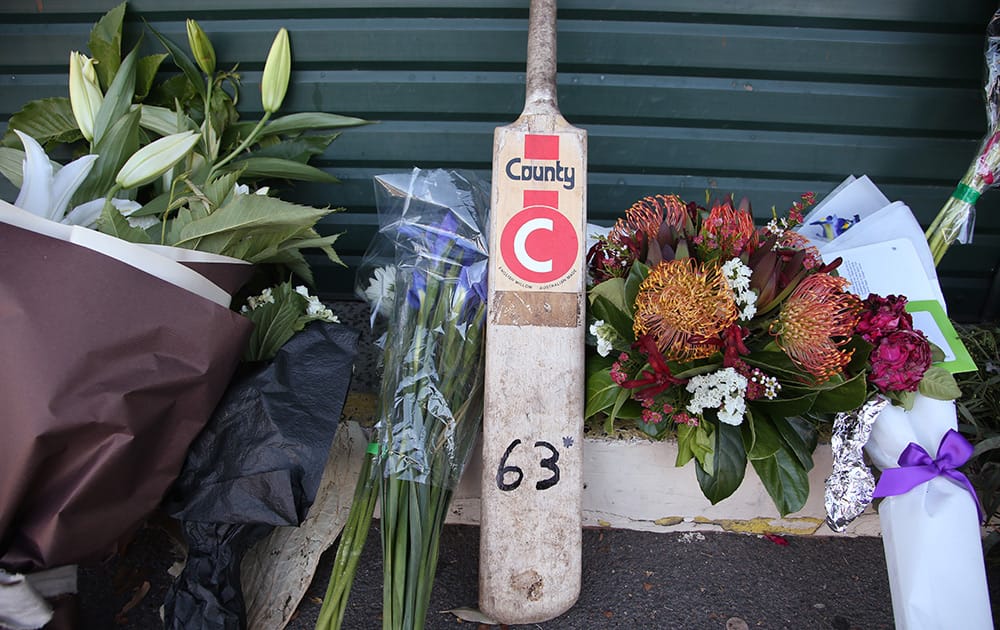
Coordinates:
(816, 320)
(684, 307)
(727, 229)
(646, 215)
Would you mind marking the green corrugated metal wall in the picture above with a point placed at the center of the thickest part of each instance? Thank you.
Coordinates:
(763, 98)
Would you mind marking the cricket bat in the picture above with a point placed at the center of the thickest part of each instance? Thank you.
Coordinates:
(532, 483)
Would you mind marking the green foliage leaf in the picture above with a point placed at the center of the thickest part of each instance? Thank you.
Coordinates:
(938, 383)
(728, 464)
(275, 323)
(46, 120)
(299, 149)
(782, 406)
(118, 98)
(695, 442)
(601, 390)
(308, 121)
(145, 74)
(775, 363)
(106, 44)
(263, 167)
(251, 227)
(112, 222)
(784, 479)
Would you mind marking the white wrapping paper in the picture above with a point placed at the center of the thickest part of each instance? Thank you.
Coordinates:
(931, 534)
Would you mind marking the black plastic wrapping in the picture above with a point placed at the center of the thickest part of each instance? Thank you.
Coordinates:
(257, 465)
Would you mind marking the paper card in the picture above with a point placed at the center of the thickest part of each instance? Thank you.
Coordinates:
(846, 205)
(886, 268)
(930, 318)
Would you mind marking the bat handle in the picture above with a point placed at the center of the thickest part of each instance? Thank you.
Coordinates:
(540, 94)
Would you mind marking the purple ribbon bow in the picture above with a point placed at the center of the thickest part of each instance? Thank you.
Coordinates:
(917, 467)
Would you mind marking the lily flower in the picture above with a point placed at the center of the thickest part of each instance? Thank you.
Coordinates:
(46, 192)
(85, 95)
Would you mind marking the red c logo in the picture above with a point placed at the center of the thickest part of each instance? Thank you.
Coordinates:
(539, 244)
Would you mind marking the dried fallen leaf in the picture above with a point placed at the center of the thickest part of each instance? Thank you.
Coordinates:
(471, 614)
(609, 614)
(646, 586)
(316, 600)
(137, 596)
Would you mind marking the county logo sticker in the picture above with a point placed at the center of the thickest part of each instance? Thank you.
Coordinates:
(538, 244)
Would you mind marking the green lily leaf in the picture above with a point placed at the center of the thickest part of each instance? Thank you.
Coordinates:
(258, 167)
(11, 161)
(299, 149)
(115, 147)
(46, 120)
(784, 479)
(106, 44)
(308, 121)
(118, 98)
(728, 466)
(179, 57)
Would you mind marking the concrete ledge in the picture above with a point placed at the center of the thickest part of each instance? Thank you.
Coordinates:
(633, 484)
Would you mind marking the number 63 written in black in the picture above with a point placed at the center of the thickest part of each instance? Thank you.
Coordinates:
(505, 470)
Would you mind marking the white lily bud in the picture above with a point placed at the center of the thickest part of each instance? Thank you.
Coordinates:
(277, 71)
(85, 96)
(156, 158)
(201, 46)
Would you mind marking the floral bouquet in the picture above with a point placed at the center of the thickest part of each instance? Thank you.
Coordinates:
(118, 364)
(434, 297)
(738, 340)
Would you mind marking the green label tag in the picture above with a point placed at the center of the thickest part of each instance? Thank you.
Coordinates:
(967, 194)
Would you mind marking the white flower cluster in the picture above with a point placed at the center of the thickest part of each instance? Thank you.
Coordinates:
(256, 301)
(606, 336)
(316, 309)
(737, 276)
(724, 390)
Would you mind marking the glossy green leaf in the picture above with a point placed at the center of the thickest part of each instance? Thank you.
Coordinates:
(845, 396)
(601, 392)
(636, 275)
(299, 149)
(728, 466)
(783, 406)
(784, 479)
(791, 430)
(603, 309)
(760, 438)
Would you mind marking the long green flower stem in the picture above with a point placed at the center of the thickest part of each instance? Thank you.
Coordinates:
(352, 542)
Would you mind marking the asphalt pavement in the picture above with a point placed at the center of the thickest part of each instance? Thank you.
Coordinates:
(633, 580)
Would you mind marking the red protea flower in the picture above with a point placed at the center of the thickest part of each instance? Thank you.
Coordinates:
(684, 307)
(815, 322)
(729, 231)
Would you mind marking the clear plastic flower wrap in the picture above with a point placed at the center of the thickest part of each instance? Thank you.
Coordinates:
(956, 220)
(433, 295)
